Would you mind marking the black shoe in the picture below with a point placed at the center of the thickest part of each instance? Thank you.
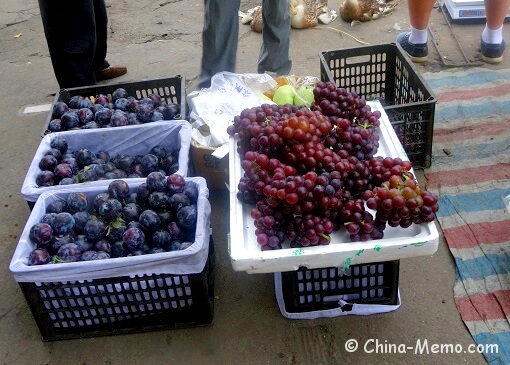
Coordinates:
(492, 53)
(417, 52)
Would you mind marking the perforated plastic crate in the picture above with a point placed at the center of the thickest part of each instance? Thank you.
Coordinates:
(385, 73)
(171, 89)
(121, 305)
(320, 290)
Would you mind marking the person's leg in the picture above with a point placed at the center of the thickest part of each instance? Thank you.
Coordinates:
(101, 17)
(69, 28)
(103, 70)
(492, 44)
(219, 38)
(419, 12)
(274, 52)
(415, 41)
(496, 12)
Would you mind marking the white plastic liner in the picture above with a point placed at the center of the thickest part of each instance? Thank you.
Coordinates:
(398, 243)
(344, 308)
(130, 140)
(189, 261)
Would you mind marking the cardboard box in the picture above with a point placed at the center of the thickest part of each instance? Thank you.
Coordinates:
(213, 169)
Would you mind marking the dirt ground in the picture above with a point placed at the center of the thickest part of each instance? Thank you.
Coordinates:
(161, 39)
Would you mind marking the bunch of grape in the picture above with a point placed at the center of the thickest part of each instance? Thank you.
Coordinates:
(381, 168)
(303, 127)
(339, 103)
(269, 224)
(400, 201)
(353, 120)
(358, 178)
(310, 156)
(269, 128)
(256, 126)
(312, 172)
(319, 194)
(358, 222)
(309, 230)
(353, 139)
(259, 171)
(279, 192)
(280, 183)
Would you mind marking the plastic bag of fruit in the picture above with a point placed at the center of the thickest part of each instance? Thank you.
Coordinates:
(291, 89)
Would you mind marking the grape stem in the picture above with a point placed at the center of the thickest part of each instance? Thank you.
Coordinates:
(325, 236)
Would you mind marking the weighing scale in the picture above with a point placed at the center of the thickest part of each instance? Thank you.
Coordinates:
(466, 10)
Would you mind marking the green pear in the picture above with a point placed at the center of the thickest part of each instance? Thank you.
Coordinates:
(284, 95)
(304, 96)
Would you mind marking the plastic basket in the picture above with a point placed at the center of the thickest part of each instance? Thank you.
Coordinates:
(121, 305)
(171, 89)
(385, 73)
(118, 295)
(314, 292)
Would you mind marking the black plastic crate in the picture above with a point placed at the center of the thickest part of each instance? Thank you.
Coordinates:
(385, 73)
(311, 290)
(171, 89)
(121, 305)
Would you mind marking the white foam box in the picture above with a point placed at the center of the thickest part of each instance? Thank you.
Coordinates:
(130, 140)
(398, 243)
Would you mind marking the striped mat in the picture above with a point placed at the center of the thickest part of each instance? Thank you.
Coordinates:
(470, 173)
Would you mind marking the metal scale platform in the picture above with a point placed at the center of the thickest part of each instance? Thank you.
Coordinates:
(466, 10)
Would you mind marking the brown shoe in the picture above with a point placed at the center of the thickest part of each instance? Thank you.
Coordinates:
(111, 73)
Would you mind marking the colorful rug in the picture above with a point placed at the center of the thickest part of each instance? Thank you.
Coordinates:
(471, 174)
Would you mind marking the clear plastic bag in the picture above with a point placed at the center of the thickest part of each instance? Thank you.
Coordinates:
(301, 88)
(213, 109)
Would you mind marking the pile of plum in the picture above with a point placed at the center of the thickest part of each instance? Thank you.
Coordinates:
(59, 166)
(158, 216)
(101, 112)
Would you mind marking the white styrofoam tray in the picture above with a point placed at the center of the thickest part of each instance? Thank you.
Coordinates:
(189, 261)
(130, 140)
(246, 254)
